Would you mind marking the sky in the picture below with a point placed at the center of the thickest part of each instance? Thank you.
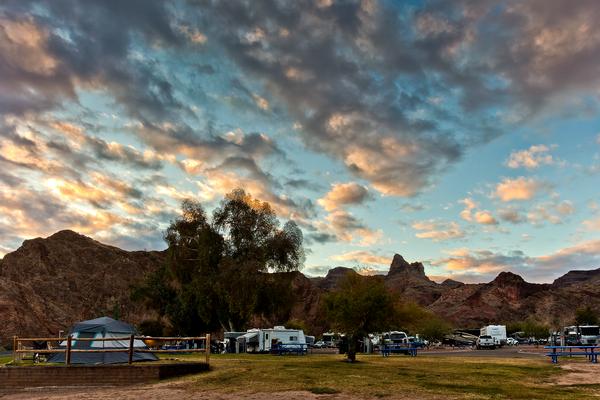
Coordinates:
(464, 134)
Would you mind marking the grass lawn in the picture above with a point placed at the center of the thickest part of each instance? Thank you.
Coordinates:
(375, 376)
(5, 360)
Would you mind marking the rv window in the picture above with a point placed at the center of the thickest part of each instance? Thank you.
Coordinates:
(293, 339)
(266, 336)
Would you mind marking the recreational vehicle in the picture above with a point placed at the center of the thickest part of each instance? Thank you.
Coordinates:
(497, 332)
(331, 339)
(581, 335)
(265, 340)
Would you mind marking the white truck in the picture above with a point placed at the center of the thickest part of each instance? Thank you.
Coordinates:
(497, 332)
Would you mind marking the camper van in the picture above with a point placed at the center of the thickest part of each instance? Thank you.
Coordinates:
(497, 332)
(265, 340)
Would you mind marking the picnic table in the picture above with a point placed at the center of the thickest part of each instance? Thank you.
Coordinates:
(388, 349)
(590, 352)
(290, 348)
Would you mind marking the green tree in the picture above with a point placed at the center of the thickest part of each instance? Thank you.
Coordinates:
(217, 273)
(586, 316)
(358, 306)
(434, 328)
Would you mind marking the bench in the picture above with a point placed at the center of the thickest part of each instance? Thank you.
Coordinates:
(590, 352)
(388, 349)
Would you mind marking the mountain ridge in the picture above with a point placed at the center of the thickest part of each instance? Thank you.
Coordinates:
(49, 283)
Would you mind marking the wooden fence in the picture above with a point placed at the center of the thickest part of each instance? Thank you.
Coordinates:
(19, 348)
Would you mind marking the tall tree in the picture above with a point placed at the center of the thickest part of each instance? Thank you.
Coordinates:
(585, 316)
(358, 306)
(217, 273)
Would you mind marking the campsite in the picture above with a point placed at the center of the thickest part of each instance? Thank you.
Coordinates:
(299, 199)
(464, 375)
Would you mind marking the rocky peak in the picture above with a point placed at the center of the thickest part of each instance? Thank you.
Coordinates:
(400, 266)
(508, 279)
(334, 276)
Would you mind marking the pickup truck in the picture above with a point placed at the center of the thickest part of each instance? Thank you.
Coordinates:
(485, 342)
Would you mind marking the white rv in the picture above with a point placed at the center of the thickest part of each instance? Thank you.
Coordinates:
(497, 332)
(588, 335)
(263, 340)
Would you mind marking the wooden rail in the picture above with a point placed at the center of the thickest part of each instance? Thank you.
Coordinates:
(68, 350)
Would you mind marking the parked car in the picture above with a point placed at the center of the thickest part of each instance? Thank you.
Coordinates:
(485, 342)
(512, 341)
(319, 344)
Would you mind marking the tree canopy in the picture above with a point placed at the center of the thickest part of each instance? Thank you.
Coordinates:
(358, 306)
(586, 316)
(217, 270)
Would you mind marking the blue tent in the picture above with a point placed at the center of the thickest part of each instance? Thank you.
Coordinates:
(103, 327)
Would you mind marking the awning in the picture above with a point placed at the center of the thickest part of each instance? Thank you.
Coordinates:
(249, 336)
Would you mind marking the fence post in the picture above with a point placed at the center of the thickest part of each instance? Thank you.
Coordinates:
(207, 348)
(15, 349)
(68, 354)
(131, 338)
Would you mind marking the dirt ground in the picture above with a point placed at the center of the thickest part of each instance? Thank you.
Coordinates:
(176, 391)
(579, 373)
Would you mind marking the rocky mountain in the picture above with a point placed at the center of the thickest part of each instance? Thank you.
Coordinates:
(47, 284)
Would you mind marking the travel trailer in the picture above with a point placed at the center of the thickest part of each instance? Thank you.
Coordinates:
(265, 340)
(497, 332)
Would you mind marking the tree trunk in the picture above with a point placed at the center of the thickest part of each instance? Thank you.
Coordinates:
(351, 348)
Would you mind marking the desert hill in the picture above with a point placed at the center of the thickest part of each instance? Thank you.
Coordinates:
(47, 284)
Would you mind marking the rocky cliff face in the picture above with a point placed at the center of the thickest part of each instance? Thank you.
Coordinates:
(47, 284)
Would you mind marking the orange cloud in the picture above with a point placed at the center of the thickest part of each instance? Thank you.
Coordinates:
(520, 188)
(342, 194)
(438, 231)
(362, 257)
(532, 158)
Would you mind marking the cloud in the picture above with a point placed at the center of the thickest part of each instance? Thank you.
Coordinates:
(532, 158)
(592, 224)
(438, 231)
(342, 194)
(552, 212)
(520, 188)
(362, 257)
(484, 265)
(470, 205)
(512, 215)
(485, 218)
(348, 228)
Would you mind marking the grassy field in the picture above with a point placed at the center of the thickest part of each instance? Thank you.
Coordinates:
(423, 377)
(375, 376)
